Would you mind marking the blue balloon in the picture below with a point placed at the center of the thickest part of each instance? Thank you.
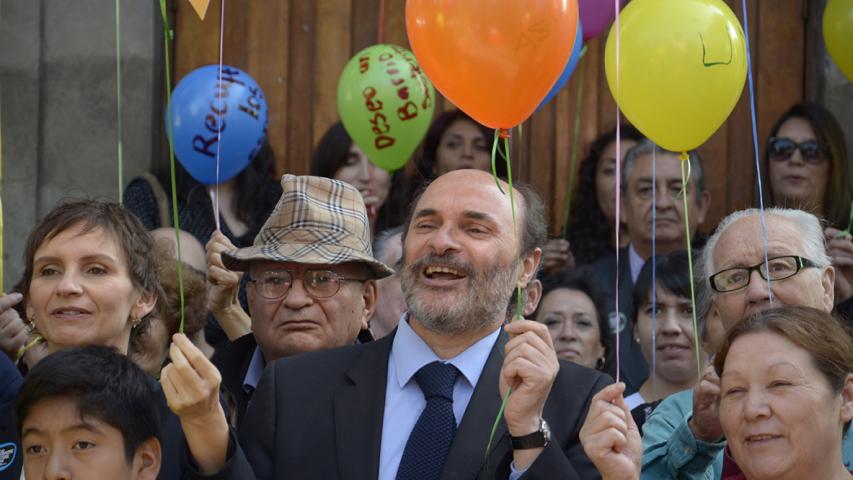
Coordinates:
(202, 108)
(574, 58)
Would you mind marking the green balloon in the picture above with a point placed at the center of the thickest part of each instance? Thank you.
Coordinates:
(385, 103)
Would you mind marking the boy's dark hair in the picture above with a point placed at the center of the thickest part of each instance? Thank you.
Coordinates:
(104, 384)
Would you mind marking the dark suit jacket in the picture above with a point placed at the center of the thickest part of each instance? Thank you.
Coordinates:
(319, 416)
(634, 369)
(233, 363)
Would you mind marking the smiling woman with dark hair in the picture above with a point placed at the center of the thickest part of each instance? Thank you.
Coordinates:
(91, 280)
(663, 326)
(806, 161)
(571, 309)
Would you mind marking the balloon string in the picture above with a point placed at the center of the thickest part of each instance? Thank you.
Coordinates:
(118, 106)
(220, 124)
(755, 147)
(654, 269)
(167, 34)
(618, 197)
(497, 421)
(371, 210)
(494, 161)
(380, 22)
(575, 138)
(509, 177)
(501, 133)
(685, 177)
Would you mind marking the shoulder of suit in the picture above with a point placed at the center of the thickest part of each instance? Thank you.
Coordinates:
(579, 377)
(330, 361)
(235, 351)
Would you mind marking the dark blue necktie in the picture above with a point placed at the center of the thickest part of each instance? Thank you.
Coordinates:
(429, 443)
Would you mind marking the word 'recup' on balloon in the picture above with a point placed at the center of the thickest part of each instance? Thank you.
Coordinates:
(385, 103)
(494, 59)
(210, 115)
(682, 68)
(838, 34)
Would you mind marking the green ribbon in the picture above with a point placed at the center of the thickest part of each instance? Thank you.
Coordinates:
(685, 176)
(167, 35)
(518, 290)
(575, 138)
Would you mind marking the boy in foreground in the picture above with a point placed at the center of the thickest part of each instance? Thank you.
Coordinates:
(89, 413)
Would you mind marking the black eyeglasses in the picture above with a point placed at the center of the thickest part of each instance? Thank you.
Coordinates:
(776, 268)
(780, 149)
(274, 284)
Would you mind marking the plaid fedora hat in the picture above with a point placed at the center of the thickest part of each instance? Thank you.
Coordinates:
(317, 220)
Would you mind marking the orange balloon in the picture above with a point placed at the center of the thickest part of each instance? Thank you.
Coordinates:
(494, 59)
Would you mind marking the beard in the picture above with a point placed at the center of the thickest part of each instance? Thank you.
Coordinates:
(483, 303)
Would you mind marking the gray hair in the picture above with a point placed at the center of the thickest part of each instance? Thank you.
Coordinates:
(704, 294)
(648, 147)
(380, 243)
(813, 242)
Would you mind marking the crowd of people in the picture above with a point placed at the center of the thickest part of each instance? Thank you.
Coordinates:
(355, 323)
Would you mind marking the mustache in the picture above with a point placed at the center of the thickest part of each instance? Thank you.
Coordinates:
(441, 260)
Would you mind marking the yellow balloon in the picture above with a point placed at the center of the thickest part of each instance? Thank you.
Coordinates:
(838, 34)
(682, 66)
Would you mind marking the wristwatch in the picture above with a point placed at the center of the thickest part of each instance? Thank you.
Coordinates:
(537, 439)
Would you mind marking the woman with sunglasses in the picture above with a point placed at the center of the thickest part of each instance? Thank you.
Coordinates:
(806, 160)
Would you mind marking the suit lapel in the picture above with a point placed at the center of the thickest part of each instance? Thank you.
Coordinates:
(626, 283)
(359, 410)
(469, 446)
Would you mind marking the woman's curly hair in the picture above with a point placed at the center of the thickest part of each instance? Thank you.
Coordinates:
(589, 232)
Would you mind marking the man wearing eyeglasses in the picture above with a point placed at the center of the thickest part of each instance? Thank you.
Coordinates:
(682, 437)
(312, 280)
(653, 210)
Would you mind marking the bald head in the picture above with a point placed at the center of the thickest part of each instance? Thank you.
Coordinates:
(531, 226)
(192, 253)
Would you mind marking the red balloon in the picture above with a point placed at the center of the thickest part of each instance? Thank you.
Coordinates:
(494, 59)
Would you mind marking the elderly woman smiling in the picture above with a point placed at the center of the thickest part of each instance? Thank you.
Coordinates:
(786, 394)
(786, 400)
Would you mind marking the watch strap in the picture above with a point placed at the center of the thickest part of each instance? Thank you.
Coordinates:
(536, 439)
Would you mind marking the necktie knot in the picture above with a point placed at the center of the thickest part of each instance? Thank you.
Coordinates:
(436, 379)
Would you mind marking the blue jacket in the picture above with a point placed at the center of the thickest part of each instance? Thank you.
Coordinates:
(671, 451)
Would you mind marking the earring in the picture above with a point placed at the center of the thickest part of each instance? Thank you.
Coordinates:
(134, 322)
(599, 364)
(32, 324)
